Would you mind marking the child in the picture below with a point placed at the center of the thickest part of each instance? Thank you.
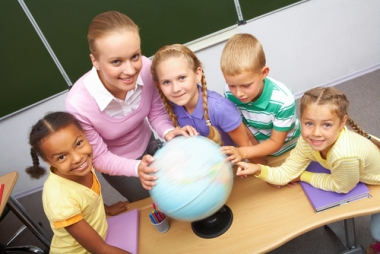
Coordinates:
(116, 102)
(351, 156)
(183, 89)
(71, 196)
(267, 106)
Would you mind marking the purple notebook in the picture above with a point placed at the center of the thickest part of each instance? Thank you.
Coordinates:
(123, 231)
(322, 200)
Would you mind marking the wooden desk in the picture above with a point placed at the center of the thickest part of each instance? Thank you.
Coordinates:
(9, 180)
(264, 218)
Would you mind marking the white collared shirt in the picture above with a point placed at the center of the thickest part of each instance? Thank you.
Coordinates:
(108, 103)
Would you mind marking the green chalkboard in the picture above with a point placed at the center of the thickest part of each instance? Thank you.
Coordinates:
(28, 73)
(30, 70)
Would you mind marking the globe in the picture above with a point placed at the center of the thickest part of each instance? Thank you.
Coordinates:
(194, 178)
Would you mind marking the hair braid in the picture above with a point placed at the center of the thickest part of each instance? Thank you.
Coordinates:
(168, 107)
(361, 132)
(35, 171)
(214, 134)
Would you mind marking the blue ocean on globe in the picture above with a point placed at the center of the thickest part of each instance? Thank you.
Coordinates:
(194, 178)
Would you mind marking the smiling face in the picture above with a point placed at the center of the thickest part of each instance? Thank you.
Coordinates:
(248, 85)
(321, 127)
(69, 151)
(119, 61)
(178, 82)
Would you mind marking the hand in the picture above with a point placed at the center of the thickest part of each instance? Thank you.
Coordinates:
(116, 208)
(144, 172)
(185, 131)
(246, 168)
(233, 153)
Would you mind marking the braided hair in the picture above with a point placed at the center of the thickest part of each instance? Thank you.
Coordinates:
(339, 105)
(175, 51)
(51, 123)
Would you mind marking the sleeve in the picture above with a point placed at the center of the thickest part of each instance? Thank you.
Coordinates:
(225, 115)
(344, 176)
(62, 210)
(104, 161)
(157, 117)
(293, 166)
(286, 117)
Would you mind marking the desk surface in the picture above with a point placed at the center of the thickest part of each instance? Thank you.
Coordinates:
(9, 180)
(264, 219)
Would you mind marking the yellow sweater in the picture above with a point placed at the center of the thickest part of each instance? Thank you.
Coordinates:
(352, 158)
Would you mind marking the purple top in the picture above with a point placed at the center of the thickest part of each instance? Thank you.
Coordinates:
(223, 115)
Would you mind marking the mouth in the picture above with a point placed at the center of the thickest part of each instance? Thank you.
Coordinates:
(127, 81)
(178, 96)
(243, 99)
(317, 142)
(83, 166)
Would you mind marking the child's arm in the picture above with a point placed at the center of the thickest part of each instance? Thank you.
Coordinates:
(267, 147)
(241, 139)
(90, 239)
(116, 208)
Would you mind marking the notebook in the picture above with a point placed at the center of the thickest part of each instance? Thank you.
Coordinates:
(123, 231)
(322, 200)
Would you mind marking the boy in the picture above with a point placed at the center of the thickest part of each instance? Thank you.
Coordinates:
(267, 106)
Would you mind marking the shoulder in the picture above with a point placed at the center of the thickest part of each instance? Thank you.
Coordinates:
(78, 94)
(214, 99)
(145, 70)
(280, 92)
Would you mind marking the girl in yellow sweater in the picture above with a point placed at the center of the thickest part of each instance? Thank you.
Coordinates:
(351, 156)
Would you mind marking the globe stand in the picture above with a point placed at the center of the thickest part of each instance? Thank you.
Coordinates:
(214, 225)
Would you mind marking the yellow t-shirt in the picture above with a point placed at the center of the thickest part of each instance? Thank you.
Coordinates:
(66, 202)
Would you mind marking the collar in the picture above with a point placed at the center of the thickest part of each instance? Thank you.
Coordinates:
(263, 100)
(198, 111)
(99, 92)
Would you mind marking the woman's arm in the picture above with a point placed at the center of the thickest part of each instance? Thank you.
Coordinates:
(90, 239)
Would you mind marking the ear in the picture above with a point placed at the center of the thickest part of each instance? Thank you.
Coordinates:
(343, 123)
(264, 72)
(94, 62)
(198, 74)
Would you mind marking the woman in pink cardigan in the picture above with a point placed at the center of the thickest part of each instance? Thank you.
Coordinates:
(117, 103)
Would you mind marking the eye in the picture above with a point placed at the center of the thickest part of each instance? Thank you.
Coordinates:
(61, 157)
(182, 78)
(308, 124)
(327, 125)
(136, 57)
(79, 143)
(246, 86)
(116, 62)
(165, 82)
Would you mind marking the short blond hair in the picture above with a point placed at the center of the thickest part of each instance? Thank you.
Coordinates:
(105, 23)
(242, 52)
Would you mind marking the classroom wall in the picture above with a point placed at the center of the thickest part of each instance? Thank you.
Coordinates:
(314, 43)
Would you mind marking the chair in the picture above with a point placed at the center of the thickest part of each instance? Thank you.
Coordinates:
(11, 204)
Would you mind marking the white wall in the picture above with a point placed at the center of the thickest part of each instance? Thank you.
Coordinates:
(317, 42)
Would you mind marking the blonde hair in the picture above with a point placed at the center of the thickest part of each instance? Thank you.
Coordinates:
(106, 23)
(338, 103)
(242, 52)
(177, 51)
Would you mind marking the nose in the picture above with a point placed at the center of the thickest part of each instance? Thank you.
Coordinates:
(77, 157)
(316, 131)
(239, 92)
(176, 87)
(128, 69)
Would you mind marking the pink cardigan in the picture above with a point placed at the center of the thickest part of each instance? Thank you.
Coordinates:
(118, 142)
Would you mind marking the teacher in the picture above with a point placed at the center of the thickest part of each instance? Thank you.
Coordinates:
(117, 103)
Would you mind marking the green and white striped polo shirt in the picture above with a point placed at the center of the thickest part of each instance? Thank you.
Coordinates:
(274, 109)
